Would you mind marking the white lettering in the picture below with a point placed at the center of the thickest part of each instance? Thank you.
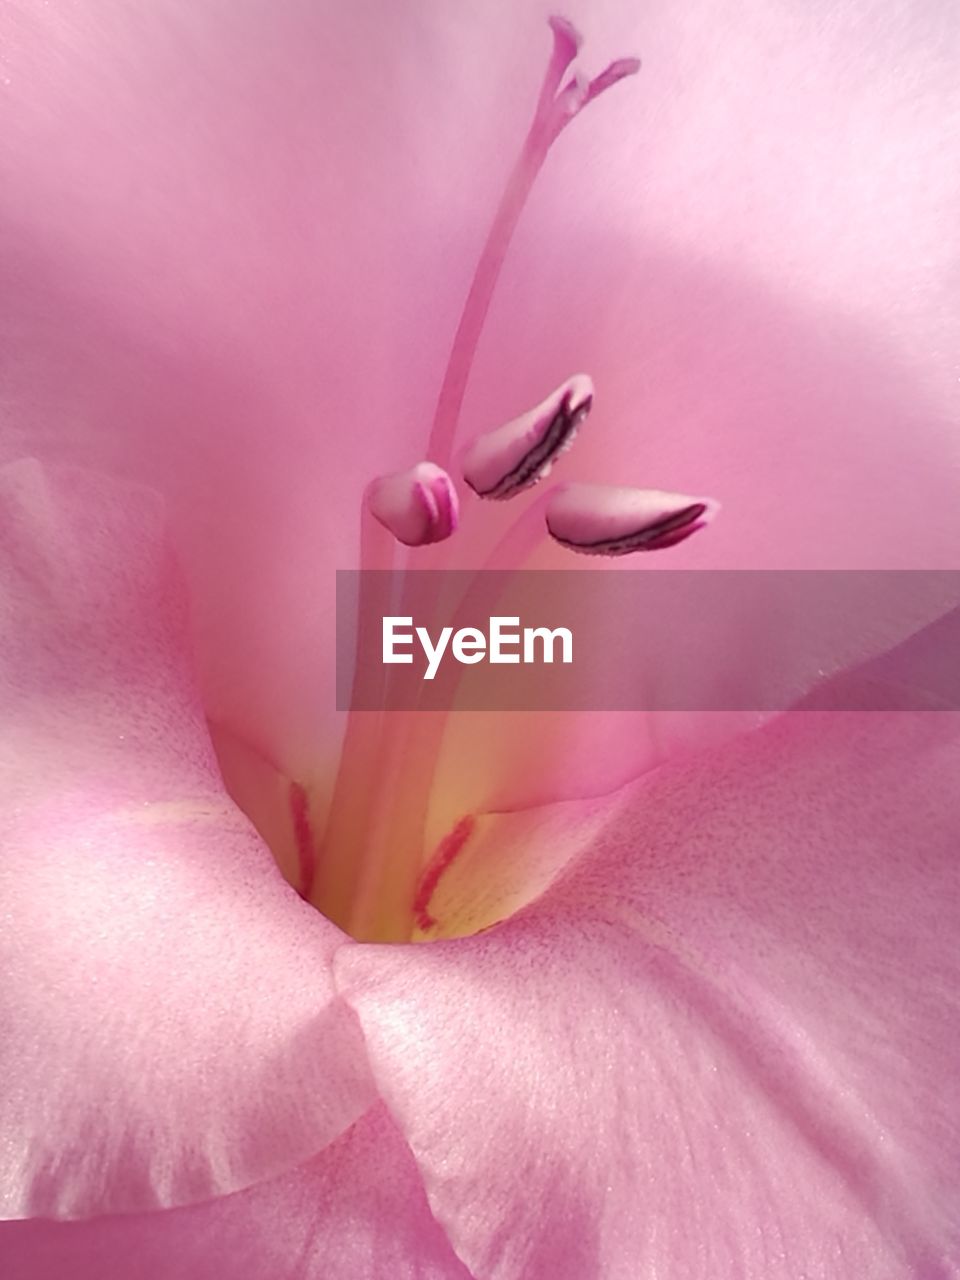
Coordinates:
(531, 634)
(391, 640)
(499, 637)
(434, 652)
(470, 645)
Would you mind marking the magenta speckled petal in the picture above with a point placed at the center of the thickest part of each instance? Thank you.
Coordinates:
(168, 1028)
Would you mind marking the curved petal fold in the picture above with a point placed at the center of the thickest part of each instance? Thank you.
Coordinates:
(170, 1031)
(356, 1210)
(722, 1043)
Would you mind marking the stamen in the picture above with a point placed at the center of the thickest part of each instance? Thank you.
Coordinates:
(369, 875)
(418, 506)
(599, 521)
(504, 462)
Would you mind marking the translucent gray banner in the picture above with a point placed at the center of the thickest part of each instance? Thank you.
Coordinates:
(580, 640)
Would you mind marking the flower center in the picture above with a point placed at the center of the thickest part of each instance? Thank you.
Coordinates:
(370, 872)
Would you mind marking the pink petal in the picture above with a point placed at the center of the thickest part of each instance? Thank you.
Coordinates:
(724, 1044)
(502, 861)
(169, 1027)
(356, 1210)
(753, 659)
(237, 239)
(763, 298)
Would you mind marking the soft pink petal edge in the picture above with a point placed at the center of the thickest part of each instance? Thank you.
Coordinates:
(356, 1210)
(170, 1031)
(724, 1043)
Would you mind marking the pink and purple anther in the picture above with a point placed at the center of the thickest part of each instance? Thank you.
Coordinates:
(420, 506)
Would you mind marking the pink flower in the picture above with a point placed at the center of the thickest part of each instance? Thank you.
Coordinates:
(703, 1025)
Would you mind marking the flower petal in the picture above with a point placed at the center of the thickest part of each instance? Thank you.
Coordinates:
(169, 1027)
(208, 285)
(764, 300)
(725, 651)
(235, 242)
(356, 1210)
(723, 1044)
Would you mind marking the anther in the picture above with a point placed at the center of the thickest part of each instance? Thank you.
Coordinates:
(599, 521)
(510, 459)
(418, 506)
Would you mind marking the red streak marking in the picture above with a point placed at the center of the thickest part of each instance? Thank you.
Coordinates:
(446, 851)
(303, 835)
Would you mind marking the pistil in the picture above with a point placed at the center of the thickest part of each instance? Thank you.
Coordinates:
(556, 107)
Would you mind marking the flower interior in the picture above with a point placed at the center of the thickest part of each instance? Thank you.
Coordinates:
(370, 869)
